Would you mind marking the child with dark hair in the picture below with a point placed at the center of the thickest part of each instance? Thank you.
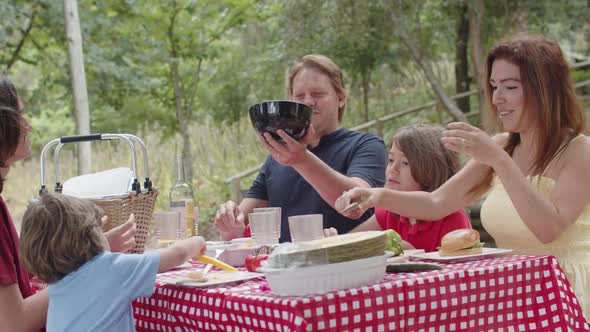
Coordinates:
(418, 161)
(90, 288)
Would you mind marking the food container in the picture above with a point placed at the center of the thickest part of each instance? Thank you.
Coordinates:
(324, 278)
(237, 256)
(232, 252)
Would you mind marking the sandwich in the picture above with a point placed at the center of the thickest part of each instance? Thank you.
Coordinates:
(460, 242)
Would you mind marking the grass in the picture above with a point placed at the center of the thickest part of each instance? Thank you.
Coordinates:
(218, 153)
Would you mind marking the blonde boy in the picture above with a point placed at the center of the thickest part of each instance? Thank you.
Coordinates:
(90, 288)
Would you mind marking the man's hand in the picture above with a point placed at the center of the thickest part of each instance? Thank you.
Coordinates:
(329, 232)
(292, 152)
(122, 237)
(230, 220)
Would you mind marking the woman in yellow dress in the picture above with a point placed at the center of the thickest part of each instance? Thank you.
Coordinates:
(537, 171)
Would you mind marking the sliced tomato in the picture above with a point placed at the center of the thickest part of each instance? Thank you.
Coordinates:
(254, 261)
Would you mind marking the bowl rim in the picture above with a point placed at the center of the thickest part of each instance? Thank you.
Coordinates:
(279, 100)
(329, 267)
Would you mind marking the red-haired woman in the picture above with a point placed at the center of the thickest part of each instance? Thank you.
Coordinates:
(535, 171)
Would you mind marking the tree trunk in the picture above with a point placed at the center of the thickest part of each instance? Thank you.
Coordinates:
(476, 12)
(366, 78)
(78, 80)
(451, 107)
(184, 103)
(188, 155)
(462, 80)
(183, 123)
(19, 46)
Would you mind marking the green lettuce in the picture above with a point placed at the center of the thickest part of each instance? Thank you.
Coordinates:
(394, 242)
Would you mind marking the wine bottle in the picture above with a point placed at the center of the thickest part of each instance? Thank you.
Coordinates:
(181, 200)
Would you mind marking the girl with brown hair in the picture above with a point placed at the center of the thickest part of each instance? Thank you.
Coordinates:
(536, 170)
(418, 161)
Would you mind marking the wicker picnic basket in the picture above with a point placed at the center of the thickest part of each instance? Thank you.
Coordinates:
(138, 201)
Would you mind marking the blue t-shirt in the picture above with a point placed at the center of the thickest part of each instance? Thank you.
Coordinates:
(354, 154)
(98, 296)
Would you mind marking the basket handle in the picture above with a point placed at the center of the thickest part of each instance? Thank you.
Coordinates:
(147, 184)
(80, 138)
(129, 139)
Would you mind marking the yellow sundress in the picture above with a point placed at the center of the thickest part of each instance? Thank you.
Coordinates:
(572, 248)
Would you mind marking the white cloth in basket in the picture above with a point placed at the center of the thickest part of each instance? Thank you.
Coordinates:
(113, 182)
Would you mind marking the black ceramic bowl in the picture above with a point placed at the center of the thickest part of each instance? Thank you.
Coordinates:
(292, 117)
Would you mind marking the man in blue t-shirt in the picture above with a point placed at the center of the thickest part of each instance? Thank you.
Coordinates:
(307, 176)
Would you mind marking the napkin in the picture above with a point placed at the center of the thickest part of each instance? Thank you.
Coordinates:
(113, 182)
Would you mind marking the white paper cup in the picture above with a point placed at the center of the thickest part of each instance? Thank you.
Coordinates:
(277, 210)
(265, 227)
(167, 225)
(306, 227)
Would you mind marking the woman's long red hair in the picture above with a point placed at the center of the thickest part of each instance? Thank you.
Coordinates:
(549, 94)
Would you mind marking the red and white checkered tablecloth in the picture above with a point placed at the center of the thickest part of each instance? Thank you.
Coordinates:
(508, 293)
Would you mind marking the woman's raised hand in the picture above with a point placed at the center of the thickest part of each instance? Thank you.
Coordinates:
(472, 141)
(365, 198)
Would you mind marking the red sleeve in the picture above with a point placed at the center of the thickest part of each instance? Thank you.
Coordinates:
(8, 274)
(381, 217)
(456, 220)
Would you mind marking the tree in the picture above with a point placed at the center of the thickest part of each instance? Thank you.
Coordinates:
(17, 28)
(353, 33)
(400, 31)
(462, 80)
(78, 79)
(177, 38)
(476, 12)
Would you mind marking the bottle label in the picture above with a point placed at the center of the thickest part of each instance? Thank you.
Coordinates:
(186, 209)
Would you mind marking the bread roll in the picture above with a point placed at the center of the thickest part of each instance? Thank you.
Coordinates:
(460, 252)
(459, 239)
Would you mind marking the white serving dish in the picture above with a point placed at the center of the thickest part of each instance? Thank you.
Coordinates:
(324, 278)
(213, 248)
(247, 240)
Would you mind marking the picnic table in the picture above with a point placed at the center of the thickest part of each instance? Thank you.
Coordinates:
(505, 293)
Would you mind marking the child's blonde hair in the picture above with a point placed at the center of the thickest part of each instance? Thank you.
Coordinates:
(431, 164)
(59, 234)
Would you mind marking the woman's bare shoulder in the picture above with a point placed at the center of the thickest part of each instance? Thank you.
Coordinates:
(578, 152)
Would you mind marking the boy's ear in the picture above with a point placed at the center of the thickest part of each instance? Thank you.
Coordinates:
(103, 220)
